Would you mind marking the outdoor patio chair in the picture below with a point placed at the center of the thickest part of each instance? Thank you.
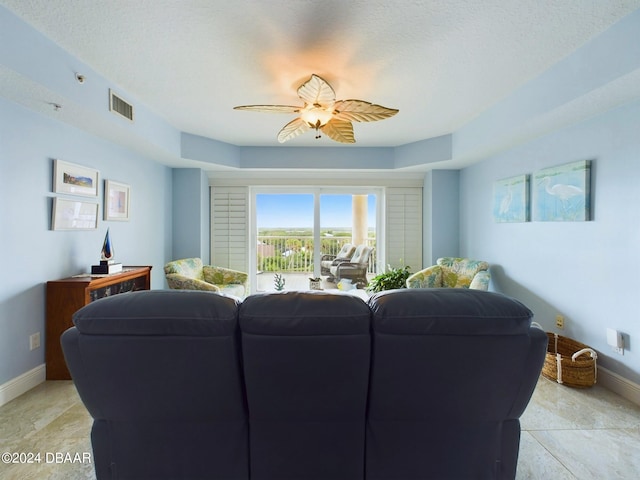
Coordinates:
(327, 261)
(355, 269)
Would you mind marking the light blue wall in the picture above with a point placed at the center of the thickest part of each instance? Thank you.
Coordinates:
(431, 150)
(333, 158)
(586, 271)
(31, 253)
(191, 207)
(444, 233)
(440, 226)
(208, 150)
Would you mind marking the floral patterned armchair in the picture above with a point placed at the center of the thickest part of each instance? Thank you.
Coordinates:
(451, 272)
(191, 274)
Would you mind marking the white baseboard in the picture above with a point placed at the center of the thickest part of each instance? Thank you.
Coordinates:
(23, 383)
(620, 385)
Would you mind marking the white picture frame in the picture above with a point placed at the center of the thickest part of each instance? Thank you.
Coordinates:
(70, 214)
(74, 179)
(116, 201)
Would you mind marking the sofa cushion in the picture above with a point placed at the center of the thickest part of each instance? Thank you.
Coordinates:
(159, 312)
(308, 313)
(444, 311)
(361, 255)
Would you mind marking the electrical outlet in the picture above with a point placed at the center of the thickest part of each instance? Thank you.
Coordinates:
(559, 321)
(615, 341)
(34, 341)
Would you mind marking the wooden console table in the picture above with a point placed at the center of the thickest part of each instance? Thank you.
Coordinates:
(68, 295)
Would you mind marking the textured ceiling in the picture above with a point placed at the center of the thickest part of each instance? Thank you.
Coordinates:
(440, 62)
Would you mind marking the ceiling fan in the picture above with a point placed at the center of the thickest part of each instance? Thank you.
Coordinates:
(322, 112)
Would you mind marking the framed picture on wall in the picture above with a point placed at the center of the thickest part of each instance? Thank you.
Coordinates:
(116, 200)
(74, 179)
(563, 193)
(511, 199)
(69, 214)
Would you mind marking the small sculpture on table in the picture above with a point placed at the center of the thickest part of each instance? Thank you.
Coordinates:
(107, 262)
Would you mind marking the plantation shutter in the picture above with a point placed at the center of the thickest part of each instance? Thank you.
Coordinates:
(404, 227)
(229, 227)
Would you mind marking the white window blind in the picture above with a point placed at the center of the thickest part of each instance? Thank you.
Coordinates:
(229, 227)
(403, 230)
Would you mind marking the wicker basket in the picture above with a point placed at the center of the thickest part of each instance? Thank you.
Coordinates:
(570, 362)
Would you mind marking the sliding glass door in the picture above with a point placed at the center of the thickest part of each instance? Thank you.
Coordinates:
(293, 229)
(285, 236)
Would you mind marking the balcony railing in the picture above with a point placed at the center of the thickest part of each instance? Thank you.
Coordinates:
(295, 253)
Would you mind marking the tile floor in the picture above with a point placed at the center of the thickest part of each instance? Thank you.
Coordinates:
(567, 434)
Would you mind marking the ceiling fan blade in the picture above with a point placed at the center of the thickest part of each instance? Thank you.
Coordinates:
(269, 108)
(361, 111)
(316, 91)
(293, 129)
(339, 130)
(320, 104)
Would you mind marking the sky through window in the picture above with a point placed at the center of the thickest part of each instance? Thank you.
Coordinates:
(285, 210)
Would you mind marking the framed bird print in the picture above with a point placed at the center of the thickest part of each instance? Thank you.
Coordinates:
(511, 199)
(562, 193)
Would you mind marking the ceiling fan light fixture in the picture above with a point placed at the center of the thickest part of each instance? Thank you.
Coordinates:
(316, 116)
(322, 112)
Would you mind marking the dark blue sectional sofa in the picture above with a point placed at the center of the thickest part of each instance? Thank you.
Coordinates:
(413, 384)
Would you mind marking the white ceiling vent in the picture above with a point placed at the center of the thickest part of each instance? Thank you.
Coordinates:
(119, 106)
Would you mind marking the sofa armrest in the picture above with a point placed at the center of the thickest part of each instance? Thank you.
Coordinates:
(180, 282)
(224, 276)
(531, 370)
(481, 280)
(430, 277)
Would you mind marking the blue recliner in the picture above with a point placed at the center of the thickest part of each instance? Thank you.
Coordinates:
(306, 364)
(452, 372)
(159, 372)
